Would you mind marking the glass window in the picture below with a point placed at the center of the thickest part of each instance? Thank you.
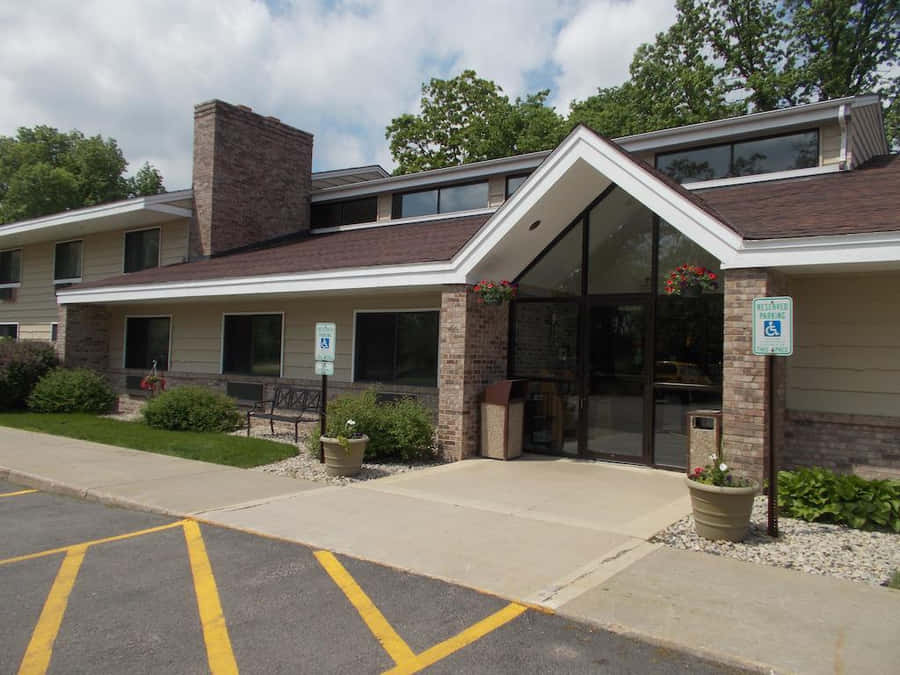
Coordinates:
(10, 267)
(796, 151)
(415, 204)
(558, 272)
(67, 262)
(551, 417)
(620, 246)
(146, 341)
(141, 250)
(9, 331)
(345, 213)
(688, 166)
(252, 344)
(54, 332)
(513, 183)
(670, 441)
(463, 197)
(397, 347)
(545, 339)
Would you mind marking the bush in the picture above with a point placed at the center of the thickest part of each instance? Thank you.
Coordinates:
(821, 495)
(22, 364)
(72, 391)
(400, 430)
(192, 409)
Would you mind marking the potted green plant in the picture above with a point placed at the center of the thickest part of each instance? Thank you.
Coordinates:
(690, 281)
(344, 452)
(721, 502)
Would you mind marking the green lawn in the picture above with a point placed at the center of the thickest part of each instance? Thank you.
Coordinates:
(208, 447)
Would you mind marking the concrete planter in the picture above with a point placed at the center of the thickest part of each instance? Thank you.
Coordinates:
(721, 512)
(341, 461)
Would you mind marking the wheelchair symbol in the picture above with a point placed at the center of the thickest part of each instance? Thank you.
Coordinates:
(324, 342)
(772, 328)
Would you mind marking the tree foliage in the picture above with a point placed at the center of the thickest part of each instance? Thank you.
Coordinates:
(43, 171)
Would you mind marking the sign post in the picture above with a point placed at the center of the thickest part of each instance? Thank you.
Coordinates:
(326, 337)
(773, 335)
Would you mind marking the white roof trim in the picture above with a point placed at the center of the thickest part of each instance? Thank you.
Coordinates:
(157, 203)
(762, 177)
(412, 220)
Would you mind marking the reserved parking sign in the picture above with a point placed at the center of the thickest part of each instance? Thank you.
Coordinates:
(773, 326)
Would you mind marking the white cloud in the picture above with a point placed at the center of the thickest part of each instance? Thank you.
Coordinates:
(341, 70)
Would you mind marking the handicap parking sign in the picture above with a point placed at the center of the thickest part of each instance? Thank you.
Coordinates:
(773, 326)
(325, 339)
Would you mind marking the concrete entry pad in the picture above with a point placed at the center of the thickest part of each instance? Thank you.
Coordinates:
(540, 529)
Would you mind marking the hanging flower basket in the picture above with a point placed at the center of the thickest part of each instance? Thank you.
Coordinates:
(690, 281)
(153, 382)
(494, 292)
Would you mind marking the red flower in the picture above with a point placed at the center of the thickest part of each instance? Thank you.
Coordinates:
(712, 276)
(477, 287)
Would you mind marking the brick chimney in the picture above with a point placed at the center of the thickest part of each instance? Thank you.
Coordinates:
(252, 178)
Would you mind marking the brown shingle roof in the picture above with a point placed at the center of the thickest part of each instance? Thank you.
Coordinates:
(431, 241)
(848, 202)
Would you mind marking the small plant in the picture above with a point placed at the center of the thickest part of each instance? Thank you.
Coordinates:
(153, 382)
(72, 391)
(817, 494)
(192, 409)
(691, 278)
(350, 433)
(718, 473)
(22, 364)
(494, 292)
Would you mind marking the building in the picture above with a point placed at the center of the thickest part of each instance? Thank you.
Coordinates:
(221, 285)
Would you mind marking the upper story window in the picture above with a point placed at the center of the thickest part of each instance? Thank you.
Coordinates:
(742, 158)
(513, 183)
(141, 250)
(10, 268)
(441, 200)
(363, 210)
(67, 262)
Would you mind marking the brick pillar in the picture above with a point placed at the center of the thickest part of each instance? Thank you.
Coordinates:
(473, 353)
(83, 336)
(745, 407)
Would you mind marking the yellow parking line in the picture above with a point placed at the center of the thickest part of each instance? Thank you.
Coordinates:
(40, 648)
(447, 647)
(393, 644)
(17, 493)
(215, 633)
(106, 540)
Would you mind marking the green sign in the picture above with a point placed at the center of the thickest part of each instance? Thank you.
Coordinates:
(324, 367)
(773, 326)
(326, 336)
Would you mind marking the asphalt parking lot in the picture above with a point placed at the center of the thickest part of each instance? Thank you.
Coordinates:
(86, 588)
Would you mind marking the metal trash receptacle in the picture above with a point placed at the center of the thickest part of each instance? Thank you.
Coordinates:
(704, 436)
(503, 419)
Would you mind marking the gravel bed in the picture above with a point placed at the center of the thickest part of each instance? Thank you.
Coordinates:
(815, 548)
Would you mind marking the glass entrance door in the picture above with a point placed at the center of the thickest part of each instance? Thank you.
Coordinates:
(616, 379)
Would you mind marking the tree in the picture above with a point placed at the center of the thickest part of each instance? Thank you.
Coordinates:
(43, 171)
(469, 119)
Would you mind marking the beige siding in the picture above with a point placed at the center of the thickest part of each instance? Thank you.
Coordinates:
(496, 190)
(385, 204)
(847, 344)
(197, 328)
(830, 143)
(35, 306)
(866, 137)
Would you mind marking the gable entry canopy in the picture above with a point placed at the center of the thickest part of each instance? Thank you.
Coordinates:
(571, 176)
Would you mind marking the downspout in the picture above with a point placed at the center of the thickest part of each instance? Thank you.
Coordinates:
(843, 115)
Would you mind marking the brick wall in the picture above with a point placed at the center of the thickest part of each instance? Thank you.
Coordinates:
(745, 410)
(862, 444)
(473, 353)
(251, 178)
(83, 337)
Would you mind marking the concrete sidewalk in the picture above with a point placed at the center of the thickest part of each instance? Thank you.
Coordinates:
(566, 535)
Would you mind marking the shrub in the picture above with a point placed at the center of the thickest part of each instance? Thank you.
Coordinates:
(819, 494)
(397, 430)
(192, 409)
(71, 391)
(22, 364)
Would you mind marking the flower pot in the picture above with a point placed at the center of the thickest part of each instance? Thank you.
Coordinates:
(721, 512)
(691, 292)
(341, 460)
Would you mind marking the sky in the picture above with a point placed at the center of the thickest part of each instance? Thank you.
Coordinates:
(339, 69)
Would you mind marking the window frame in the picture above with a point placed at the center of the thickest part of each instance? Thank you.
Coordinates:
(341, 203)
(514, 175)
(71, 280)
(11, 323)
(357, 312)
(222, 343)
(125, 234)
(731, 143)
(397, 198)
(15, 284)
(125, 337)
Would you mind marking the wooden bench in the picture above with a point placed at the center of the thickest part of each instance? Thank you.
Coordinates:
(303, 401)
